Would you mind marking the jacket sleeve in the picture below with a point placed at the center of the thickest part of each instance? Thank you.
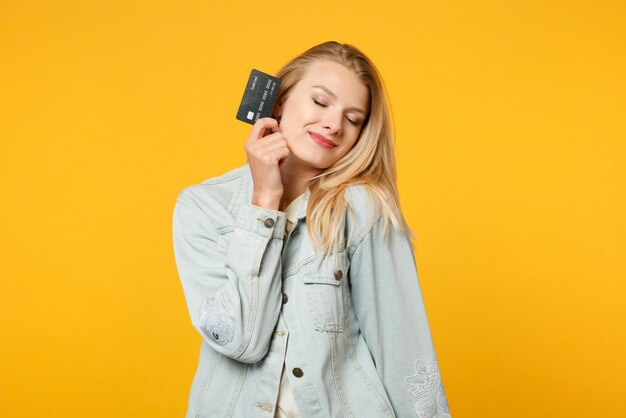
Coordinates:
(233, 294)
(388, 303)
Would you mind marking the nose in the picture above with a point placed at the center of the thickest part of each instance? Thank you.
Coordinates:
(332, 122)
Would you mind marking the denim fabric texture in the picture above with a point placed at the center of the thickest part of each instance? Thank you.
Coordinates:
(354, 336)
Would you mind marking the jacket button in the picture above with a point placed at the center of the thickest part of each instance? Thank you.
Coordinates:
(285, 298)
(269, 222)
(338, 275)
(297, 372)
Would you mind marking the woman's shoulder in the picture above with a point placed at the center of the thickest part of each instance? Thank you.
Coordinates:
(363, 200)
(363, 208)
(224, 182)
(218, 192)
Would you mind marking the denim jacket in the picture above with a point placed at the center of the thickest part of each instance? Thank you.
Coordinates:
(355, 337)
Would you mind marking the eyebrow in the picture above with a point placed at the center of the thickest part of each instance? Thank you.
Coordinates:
(356, 109)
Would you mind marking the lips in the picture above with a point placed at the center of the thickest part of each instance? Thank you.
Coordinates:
(322, 140)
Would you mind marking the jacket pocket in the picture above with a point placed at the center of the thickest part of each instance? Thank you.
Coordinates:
(325, 287)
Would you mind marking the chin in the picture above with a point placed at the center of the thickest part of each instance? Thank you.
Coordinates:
(312, 159)
(319, 163)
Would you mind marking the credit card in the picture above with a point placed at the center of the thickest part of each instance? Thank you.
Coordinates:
(259, 97)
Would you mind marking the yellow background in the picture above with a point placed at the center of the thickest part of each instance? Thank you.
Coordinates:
(510, 144)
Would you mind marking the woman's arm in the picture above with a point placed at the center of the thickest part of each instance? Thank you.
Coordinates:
(234, 298)
(388, 304)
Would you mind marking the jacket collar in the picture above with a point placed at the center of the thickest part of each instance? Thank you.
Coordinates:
(248, 185)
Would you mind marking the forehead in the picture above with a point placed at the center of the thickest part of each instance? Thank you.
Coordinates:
(339, 79)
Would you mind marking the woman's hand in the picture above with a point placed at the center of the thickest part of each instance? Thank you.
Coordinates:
(265, 157)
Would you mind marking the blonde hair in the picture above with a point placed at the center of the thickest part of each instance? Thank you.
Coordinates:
(370, 161)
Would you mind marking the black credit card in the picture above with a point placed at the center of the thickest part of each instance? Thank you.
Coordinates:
(259, 97)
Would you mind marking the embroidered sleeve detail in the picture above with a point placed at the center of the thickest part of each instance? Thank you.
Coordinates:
(218, 326)
(427, 388)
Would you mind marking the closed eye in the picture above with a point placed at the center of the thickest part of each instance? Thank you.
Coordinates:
(318, 103)
(355, 123)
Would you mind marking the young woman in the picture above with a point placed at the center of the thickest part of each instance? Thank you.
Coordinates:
(307, 300)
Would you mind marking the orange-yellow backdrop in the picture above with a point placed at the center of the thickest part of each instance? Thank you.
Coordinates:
(510, 145)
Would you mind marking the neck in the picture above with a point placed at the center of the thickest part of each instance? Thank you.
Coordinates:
(295, 180)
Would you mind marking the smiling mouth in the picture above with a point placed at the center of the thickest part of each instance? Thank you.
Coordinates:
(322, 141)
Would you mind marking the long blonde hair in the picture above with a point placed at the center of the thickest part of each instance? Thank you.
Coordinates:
(370, 161)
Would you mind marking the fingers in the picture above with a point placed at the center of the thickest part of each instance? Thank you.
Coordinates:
(271, 141)
(275, 128)
(260, 127)
(280, 154)
(272, 149)
(277, 144)
(266, 156)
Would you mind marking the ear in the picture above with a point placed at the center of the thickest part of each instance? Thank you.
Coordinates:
(278, 109)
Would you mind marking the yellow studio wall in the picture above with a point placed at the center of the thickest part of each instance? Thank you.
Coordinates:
(510, 142)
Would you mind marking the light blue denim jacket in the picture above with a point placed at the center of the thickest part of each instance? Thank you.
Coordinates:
(355, 337)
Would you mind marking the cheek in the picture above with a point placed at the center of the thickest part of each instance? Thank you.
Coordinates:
(354, 136)
(342, 153)
(293, 115)
(304, 111)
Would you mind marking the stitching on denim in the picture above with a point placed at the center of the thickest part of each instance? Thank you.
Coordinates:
(264, 406)
(319, 279)
(186, 192)
(317, 401)
(369, 222)
(303, 263)
(383, 404)
(297, 267)
(358, 242)
(346, 296)
(225, 229)
(233, 201)
(252, 314)
(263, 248)
(211, 371)
(424, 382)
(313, 309)
(338, 386)
(341, 254)
(240, 379)
(187, 196)
(221, 245)
(270, 234)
